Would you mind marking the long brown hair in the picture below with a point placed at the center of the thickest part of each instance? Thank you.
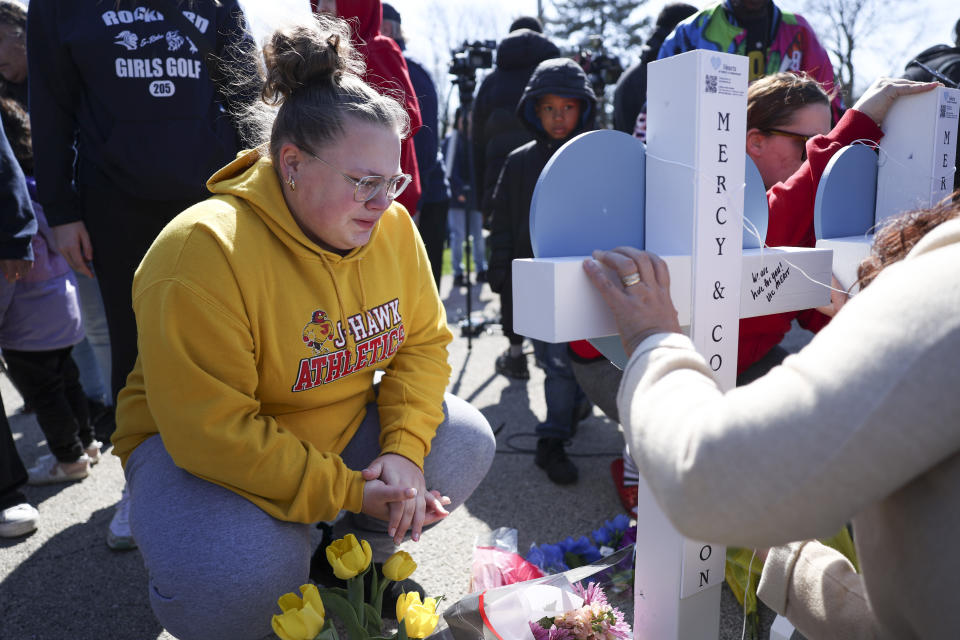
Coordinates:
(894, 240)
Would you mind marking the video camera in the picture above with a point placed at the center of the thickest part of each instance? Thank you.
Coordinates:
(466, 60)
(602, 68)
(471, 56)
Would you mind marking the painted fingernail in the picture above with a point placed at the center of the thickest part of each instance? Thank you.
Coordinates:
(416, 537)
(391, 531)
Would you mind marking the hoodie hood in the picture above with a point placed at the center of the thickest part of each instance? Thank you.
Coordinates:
(253, 179)
(561, 77)
(524, 48)
(364, 16)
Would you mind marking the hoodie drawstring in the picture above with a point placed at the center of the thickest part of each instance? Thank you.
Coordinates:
(348, 336)
(363, 293)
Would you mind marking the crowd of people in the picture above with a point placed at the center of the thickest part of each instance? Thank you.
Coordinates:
(239, 246)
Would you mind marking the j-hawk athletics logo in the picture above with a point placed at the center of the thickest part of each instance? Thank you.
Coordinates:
(377, 334)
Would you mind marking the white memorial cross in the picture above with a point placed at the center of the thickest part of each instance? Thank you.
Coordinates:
(682, 198)
(914, 169)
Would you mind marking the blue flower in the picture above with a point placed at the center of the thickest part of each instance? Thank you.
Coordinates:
(580, 547)
(548, 557)
(604, 535)
(620, 523)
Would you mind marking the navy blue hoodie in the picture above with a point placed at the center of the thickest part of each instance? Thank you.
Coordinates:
(510, 219)
(495, 131)
(123, 87)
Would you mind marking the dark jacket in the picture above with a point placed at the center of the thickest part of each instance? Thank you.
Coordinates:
(433, 180)
(455, 159)
(495, 129)
(510, 221)
(121, 87)
(387, 71)
(630, 95)
(17, 222)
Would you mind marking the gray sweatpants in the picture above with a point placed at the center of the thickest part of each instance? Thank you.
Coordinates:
(217, 563)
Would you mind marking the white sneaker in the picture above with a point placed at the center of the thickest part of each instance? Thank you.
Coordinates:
(18, 520)
(49, 470)
(93, 452)
(119, 536)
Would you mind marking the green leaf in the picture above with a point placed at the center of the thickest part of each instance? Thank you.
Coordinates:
(329, 633)
(374, 623)
(340, 591)
(341, 608)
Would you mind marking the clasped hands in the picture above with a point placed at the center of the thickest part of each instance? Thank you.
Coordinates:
(395, 491)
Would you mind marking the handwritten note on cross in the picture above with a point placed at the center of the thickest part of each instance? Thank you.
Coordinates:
(681, 197)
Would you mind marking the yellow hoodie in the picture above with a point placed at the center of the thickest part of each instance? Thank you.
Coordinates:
(257, 348)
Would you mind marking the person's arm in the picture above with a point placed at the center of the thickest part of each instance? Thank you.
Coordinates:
(818, 591)
(791, 203)
(18, 224)
(500, 241)
(55, 95)
(863, 407)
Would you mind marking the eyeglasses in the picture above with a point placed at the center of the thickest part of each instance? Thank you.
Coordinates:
(366, 188)
(796, 136)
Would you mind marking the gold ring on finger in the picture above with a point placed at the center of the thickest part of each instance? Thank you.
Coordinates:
(630, 280)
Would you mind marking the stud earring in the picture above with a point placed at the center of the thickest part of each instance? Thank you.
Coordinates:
(291, 183)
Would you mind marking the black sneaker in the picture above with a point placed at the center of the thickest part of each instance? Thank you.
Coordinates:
(552, 458)
(481, 276)
(513, 366)
(460, 280)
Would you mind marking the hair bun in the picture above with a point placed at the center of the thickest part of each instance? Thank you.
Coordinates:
(315, 54)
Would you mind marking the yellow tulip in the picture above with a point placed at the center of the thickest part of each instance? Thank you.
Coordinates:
(399, 566)
(420, 619)
(349, 557)
(301, 619)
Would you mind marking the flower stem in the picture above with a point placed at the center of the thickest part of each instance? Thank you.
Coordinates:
(355, 596)
(378, 591)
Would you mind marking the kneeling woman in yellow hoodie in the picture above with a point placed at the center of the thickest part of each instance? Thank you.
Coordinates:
(263, 313)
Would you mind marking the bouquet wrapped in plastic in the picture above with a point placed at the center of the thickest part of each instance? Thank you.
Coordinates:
(551, 605)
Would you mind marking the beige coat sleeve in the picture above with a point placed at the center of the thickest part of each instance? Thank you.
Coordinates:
(817, 589)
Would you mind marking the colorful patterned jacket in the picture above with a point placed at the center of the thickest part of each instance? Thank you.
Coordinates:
(793, 45)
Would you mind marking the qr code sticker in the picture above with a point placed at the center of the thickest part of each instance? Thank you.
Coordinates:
(711, 84)
(943, 111)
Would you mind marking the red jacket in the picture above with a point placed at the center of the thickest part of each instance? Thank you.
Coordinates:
(791, 225)
(387, 72)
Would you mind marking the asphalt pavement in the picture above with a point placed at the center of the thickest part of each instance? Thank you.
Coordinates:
(63, 583)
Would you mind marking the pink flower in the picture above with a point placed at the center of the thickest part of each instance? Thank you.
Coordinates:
(593, 594)
(553, 633)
